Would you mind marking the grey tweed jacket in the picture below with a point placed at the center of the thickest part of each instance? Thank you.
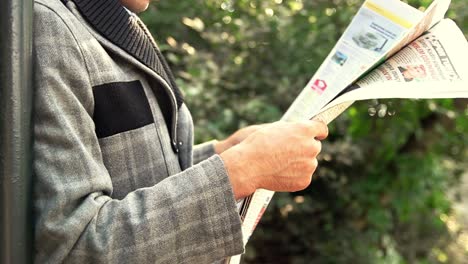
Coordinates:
(114, 174)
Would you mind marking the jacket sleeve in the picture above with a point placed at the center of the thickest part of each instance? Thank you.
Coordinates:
(203, 151)
(190, 217)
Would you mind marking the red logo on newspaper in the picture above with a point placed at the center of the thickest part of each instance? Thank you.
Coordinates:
(319, 86)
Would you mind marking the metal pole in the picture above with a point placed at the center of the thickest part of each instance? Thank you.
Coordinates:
(16, 93)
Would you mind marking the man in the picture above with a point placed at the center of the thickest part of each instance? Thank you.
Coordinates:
(115, 180)
(413, 72)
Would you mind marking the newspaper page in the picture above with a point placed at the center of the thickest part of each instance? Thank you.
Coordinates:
(433, 66)
(388, 23)
(377, 28)
(433, 14)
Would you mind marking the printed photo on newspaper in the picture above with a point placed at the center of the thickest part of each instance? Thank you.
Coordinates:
(389, 50)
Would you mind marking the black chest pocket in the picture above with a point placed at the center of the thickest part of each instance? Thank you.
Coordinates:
(120, 107)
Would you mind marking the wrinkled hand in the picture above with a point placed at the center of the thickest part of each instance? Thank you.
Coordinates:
(280, 157)
(236, 138)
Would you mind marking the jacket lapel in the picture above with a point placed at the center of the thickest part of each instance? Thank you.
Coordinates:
(115, 28)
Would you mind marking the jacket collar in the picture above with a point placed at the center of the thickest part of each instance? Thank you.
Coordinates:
(115, 23)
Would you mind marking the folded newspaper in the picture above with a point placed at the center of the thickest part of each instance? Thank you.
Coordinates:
(390, 50)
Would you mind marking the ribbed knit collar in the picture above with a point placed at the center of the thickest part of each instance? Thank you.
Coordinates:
(112, 21)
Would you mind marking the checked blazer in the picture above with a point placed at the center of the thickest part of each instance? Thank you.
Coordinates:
(114, 173)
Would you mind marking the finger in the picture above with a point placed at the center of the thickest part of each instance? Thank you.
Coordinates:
(315, 161)
(317, 147)
(258, 126)
(312, 148)
(320, 129)
(318, 118)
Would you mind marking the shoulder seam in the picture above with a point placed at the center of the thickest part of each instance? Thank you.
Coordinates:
(73, 35)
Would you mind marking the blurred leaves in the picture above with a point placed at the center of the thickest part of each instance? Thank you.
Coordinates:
(379, 195)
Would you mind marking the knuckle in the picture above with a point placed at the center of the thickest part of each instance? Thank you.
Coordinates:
(304, 182)
(303, 127)
(317, 124)
(313, 165)
(313, 148)
(305, 168)
(318, 147)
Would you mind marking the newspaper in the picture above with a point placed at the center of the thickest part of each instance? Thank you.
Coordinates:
(433, 66)
(378, 27)
(430, 59)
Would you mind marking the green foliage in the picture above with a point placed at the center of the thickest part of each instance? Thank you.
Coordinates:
(379, 195)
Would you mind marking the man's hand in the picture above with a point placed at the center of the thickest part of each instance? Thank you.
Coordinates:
(236, 138)
(280, 157)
